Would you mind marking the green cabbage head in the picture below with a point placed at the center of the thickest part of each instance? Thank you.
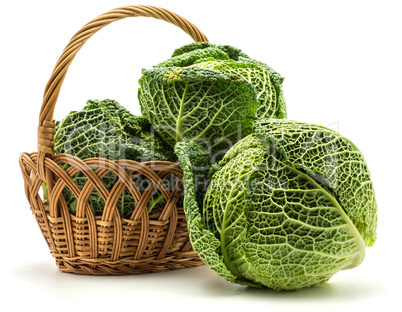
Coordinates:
(211, 93)
(286, 208)
(105, 129)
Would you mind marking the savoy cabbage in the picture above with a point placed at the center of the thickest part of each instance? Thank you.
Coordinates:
(286, 208)
(105, 129)
(211, 93)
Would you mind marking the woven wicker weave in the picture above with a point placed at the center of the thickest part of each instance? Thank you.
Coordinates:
(109, 244)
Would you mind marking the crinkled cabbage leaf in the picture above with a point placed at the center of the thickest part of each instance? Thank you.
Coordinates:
(267, 82)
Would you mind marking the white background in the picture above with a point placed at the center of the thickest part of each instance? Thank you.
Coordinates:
(342, 66)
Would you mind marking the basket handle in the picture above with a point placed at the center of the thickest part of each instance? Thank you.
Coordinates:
(52, 90)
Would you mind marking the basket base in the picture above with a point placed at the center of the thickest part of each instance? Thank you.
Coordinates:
(125, 267)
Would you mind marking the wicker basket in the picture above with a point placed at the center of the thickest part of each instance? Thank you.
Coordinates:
(106, 245)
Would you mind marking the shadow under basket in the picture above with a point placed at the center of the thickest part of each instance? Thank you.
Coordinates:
(106, 242)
